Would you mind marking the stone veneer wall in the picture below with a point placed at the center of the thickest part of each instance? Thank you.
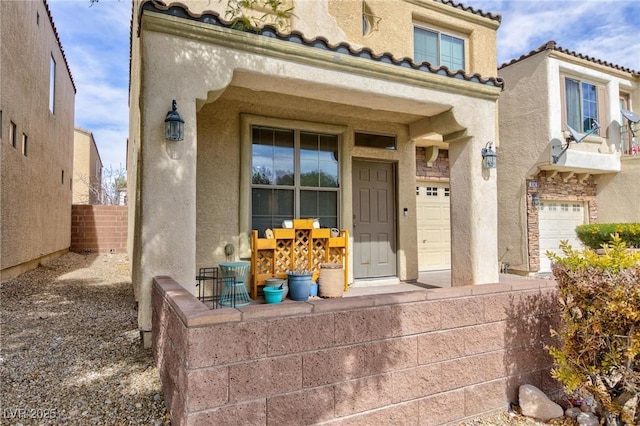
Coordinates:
(425, 357)
(98, 228)
(438, 170)
(555, 187)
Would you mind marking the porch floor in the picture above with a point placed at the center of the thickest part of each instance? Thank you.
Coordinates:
(432, 279)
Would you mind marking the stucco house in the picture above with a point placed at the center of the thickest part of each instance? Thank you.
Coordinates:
(384, 100)
(568, 155)
(37, 98)
(87, 168)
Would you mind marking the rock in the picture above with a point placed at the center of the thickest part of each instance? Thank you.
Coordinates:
(572, 412)
(534, 403)
(587, 419)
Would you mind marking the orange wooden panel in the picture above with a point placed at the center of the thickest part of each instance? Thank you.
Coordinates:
(263, 243)
(284, 234)
(321, 233)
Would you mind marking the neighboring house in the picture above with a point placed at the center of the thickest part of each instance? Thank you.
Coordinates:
(548, 182)
(263, 112)
(37, 97)
(87, 169)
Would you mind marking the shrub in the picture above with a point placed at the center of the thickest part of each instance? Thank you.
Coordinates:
(596, 235)
(600, 331)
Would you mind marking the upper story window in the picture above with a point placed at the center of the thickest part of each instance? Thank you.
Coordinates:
(52, 85)
(581, 105)
(438, 49)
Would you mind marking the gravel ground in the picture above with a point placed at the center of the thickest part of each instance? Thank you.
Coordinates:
(70, 349)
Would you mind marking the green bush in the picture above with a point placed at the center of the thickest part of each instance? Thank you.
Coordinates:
(596, 235)
(600, 331)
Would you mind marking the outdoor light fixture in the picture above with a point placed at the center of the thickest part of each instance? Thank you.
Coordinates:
(489, 156)
(535, 199)
(174, 124)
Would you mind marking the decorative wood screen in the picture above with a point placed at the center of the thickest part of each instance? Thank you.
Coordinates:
(302, 247)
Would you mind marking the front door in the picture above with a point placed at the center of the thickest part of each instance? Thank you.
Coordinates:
(374, 222)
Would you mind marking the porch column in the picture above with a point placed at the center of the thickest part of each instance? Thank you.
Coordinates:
(165, 234)
(474, 216)
(467, 127)
(167, 189)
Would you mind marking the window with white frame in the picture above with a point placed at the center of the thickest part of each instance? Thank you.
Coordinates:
(438, 49)
(52, 85)
(581, 104)
(294, 174)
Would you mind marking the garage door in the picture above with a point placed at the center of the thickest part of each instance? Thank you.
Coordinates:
(434, 229)
(558, 221)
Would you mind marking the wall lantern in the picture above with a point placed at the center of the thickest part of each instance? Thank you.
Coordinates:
(535, 199)
(489, 156)
(174, 124)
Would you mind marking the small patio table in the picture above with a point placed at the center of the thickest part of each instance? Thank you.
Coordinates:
(235, 291)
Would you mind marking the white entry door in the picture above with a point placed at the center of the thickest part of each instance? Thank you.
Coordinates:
(557, 222)
(433, 226)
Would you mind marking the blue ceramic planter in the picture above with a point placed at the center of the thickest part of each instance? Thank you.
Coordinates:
(273, 294)
(299, 286)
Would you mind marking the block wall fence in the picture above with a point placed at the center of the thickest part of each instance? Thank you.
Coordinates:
(427, 357)
(98, 229)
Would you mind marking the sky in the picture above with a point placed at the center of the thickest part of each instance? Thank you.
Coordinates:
(95, 40)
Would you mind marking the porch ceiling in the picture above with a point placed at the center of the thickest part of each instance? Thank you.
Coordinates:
(395, 108)
(268, 96)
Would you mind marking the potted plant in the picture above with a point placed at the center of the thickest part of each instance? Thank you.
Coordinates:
(273, 294)
(299, 284)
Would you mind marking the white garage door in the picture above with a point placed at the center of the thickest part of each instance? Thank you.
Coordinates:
(558, 221)
(434, 229)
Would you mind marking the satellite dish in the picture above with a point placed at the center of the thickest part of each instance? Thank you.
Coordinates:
(630, 115)
(575, 135)
(579, 137)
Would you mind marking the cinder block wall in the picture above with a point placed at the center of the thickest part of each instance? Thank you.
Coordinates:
(427, 357)
(98, 229)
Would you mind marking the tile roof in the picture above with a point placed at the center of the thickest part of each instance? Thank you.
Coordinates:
(321, 43)
(55, 32)
(552, 45)
(493, 16)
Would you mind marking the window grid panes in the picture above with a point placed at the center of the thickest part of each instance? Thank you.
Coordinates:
(438, 49)
(432, 191)
(294, 175)
(582, 105)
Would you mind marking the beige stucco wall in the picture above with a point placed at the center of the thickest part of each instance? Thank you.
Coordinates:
(619, 194)
(524, 135)
(87, 168)
(395, 28)
(36, 188)
(190, 195)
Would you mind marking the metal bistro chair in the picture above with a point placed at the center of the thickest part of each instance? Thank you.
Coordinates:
(210, 285)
